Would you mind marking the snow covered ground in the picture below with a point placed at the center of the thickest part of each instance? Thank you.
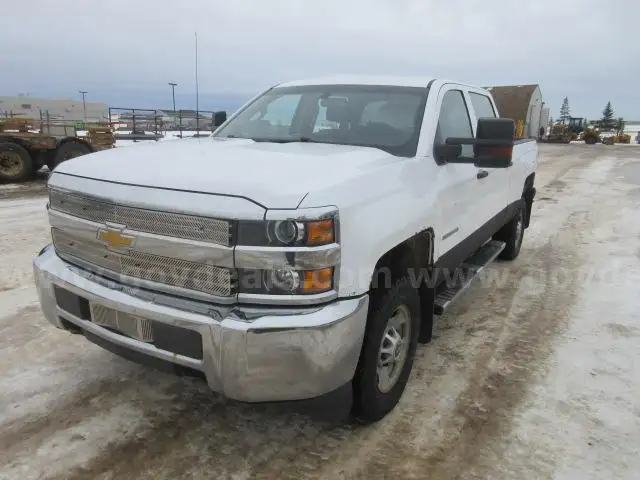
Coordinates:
(535, 376)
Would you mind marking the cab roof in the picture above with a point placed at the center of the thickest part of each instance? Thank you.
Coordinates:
(361, 80)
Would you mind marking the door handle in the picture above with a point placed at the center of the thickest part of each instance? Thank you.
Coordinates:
(482, 174)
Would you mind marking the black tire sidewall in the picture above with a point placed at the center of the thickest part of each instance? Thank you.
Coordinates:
(68, 147)
(370, 404)
(27, 166)
(510, 234)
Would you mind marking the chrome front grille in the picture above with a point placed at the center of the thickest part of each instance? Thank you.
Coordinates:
(201, 277)
(178, 225)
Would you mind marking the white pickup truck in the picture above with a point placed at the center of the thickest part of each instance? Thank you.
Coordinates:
(303, 249)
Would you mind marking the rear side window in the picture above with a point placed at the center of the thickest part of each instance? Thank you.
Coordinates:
(482, 105)
(454, 120)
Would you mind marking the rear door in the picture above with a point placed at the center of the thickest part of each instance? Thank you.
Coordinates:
(493, 183)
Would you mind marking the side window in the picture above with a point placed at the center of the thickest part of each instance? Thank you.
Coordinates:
(482, 105)
(454, 120)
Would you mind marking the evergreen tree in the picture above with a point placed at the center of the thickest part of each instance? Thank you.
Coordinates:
(607, 122)
(565, 112)
(620, 126)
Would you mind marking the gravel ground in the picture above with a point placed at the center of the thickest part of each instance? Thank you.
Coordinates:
(534, 373)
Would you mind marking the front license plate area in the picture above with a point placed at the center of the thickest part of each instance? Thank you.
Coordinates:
(124, 323)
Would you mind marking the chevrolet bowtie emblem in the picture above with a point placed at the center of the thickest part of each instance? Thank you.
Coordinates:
(113, 238)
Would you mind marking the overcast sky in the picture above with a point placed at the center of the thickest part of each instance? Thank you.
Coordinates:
(587, 50)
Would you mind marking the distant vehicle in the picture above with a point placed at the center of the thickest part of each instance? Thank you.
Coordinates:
(301, 250)
(576, 125)
(27, 145)
(567, 130)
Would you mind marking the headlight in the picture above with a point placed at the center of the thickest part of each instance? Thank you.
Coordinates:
(285, 281)
(287, 233)
(288, 255)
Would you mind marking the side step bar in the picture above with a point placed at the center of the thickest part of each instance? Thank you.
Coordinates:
(465, 274)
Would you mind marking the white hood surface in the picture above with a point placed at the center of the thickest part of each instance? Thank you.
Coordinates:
(275, 175)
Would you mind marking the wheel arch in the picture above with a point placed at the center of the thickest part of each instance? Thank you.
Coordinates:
(412, 257)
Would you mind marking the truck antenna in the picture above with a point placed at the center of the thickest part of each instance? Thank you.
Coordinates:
(197, 91)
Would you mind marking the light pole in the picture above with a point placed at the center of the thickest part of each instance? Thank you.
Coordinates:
(173, 96)
(84, 105)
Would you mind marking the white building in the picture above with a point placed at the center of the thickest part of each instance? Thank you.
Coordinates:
(70, 110)
(632, 128)
(523, 104)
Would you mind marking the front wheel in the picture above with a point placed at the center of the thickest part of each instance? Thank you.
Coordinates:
(387, 353)
(512, 234)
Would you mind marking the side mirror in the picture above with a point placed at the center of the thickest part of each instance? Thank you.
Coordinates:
(493, 147)
(219, 118)
(445, 153)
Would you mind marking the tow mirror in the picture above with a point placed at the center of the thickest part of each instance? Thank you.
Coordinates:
(492, 147)
(494, 142)
(219, 118)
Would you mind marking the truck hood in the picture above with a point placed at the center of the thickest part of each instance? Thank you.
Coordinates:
(273, 175)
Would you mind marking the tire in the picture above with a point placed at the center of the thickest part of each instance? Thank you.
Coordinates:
(15, 163)
(49, 159)
(512, 234)
(67, 151)
(38, 158)
(373, 395)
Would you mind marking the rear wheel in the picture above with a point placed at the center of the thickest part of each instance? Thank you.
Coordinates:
(388, 351)
(67, 151)
(39, 159)
(15, 163)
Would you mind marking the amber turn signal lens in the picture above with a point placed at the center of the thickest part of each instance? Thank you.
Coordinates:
(320, 232)
(317, 281)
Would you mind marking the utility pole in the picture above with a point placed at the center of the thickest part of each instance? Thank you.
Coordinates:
(84, 105)
(173, 95)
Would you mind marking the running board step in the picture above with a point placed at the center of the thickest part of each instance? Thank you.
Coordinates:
(465, 274)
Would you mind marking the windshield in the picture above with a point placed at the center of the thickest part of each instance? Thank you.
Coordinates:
(388, 118)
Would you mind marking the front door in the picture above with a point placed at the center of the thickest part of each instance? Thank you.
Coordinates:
(493, 183)
(460, 214)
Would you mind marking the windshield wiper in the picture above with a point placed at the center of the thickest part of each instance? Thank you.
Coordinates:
(286, 140)
(236, 136)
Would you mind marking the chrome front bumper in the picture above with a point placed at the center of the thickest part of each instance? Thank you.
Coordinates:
(248, 354)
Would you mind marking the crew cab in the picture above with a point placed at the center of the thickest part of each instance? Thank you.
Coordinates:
(304, 248)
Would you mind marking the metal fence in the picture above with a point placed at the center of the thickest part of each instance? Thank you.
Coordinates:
(44, 116)
(141, 121)
(133, 123)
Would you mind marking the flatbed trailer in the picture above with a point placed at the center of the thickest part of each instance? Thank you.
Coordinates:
(27, 145)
